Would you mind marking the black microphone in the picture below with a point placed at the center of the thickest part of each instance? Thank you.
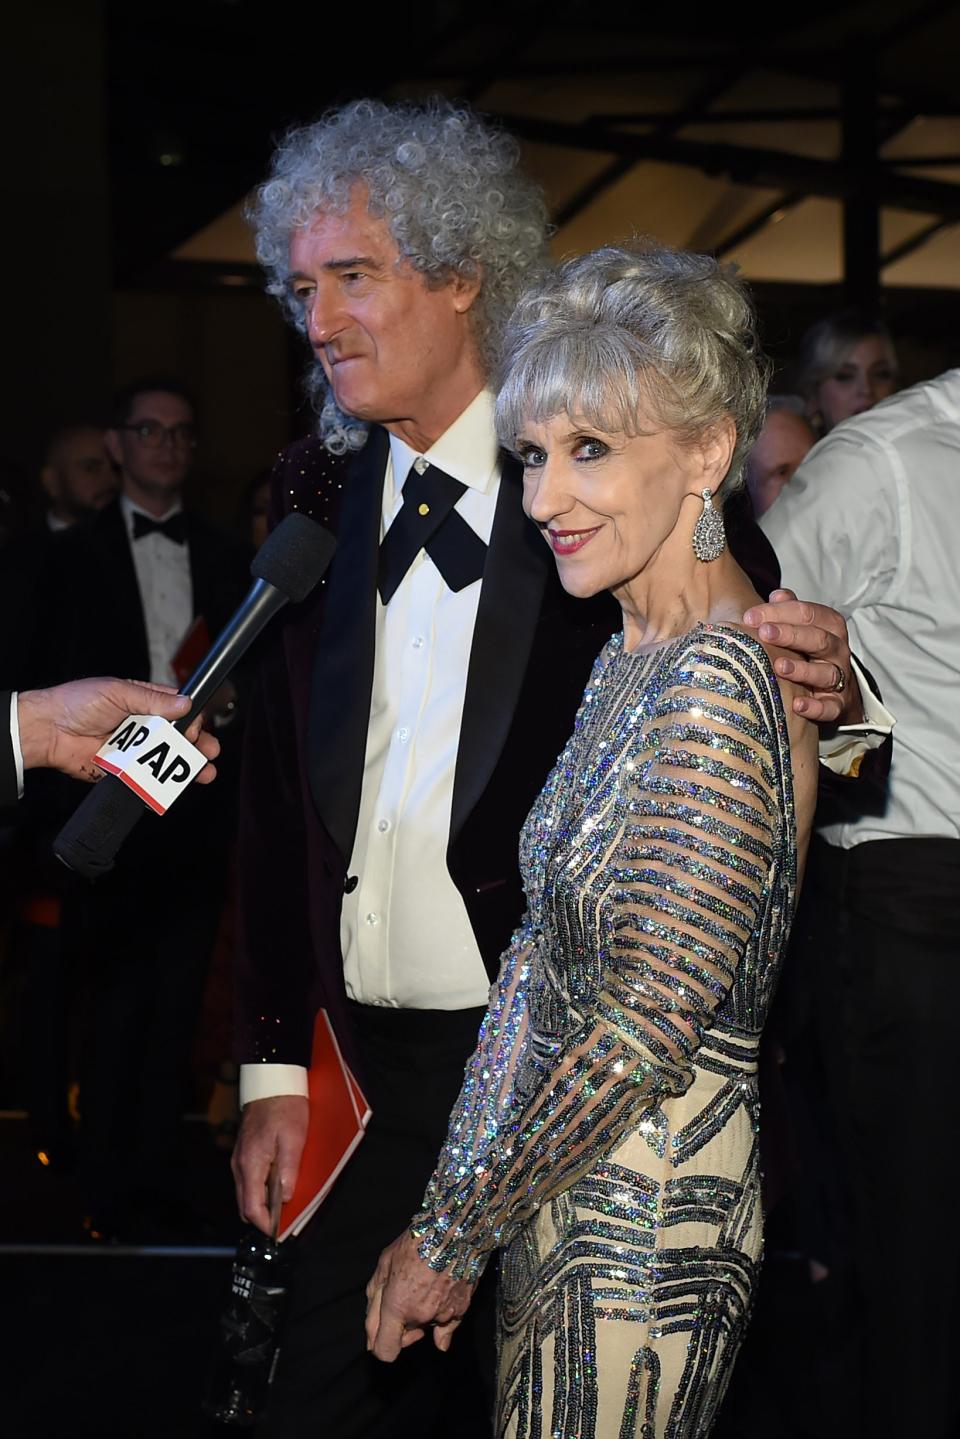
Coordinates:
(287, 566)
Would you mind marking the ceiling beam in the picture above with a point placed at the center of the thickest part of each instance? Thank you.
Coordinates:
(758, 222)
(913, 242)
(749, 165)
(667, 124)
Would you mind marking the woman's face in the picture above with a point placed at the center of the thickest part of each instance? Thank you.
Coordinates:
(866, 375)
(606, 503)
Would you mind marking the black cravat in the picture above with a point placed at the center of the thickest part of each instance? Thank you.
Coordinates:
(175, 528)
(428, 521)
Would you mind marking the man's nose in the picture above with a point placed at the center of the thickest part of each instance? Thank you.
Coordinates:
(324, 321)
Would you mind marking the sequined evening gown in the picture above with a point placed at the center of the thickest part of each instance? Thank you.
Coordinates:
(606, 1133)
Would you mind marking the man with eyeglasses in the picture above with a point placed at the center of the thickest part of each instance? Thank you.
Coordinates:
(152, 443)
(129, 585)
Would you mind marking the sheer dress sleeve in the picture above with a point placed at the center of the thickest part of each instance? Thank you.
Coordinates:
(694, 822)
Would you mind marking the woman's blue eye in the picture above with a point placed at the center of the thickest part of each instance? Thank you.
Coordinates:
(533, 458)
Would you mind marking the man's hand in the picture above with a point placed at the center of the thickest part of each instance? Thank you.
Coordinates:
(818, 635)
(405, 1295)
(270, 1129)
(62, 728)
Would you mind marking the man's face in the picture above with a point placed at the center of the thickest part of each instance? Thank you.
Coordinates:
(784, 442)
(154, 449)
(79, 476)
(385, 340)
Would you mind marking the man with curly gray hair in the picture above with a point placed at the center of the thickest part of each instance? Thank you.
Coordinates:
(448, 192)
(407, 714)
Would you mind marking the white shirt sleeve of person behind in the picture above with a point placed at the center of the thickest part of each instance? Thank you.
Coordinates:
(835, 529)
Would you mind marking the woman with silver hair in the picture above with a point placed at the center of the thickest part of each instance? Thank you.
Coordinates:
(606, 1135)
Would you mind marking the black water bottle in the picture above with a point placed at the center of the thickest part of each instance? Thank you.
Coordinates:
(249, 1332)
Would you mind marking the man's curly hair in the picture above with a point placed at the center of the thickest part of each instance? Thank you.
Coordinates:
(450, 188)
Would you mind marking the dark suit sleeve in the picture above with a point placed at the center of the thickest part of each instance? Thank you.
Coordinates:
(276, 974)
(275, 967)
(8, 768)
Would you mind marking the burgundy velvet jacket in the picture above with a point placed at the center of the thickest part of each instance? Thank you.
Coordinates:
(531, 656)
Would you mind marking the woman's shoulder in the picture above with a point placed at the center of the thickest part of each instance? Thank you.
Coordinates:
(727, 665)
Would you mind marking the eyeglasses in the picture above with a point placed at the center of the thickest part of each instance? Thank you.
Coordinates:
(152, 433)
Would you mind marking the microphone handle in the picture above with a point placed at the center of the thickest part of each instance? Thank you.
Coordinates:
(89, 840)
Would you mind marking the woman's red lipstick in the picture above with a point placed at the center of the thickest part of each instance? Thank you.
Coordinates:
(567, 542)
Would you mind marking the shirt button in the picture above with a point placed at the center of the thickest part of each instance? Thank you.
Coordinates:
(418, 642)
(403, 734)
(373, 918)
(383, 825)
(420, 464)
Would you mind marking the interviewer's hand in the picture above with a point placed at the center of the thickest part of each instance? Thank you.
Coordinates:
(270, 1129)
(818, 635)
(62, 728)
(405, 1295)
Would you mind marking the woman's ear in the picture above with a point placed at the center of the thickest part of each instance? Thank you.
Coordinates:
(716, 451)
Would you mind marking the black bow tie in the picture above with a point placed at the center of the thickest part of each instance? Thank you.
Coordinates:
(428, 521)
(175, 528)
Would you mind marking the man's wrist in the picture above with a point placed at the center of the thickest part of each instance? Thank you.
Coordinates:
(35, 722)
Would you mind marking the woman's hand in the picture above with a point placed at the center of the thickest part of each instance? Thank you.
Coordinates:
(405, 1296)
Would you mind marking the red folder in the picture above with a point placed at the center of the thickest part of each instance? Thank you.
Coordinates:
(191, 650)
(339, 1114)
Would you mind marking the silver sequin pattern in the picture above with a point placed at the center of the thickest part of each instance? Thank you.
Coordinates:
(606, 1134)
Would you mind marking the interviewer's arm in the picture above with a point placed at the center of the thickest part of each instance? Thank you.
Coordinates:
(63, 727)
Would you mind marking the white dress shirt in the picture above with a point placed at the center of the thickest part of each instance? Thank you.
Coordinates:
(166, 589)
(405, 933)
(870, 524)
(15, 741)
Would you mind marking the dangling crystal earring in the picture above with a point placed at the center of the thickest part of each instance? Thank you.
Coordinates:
(709, 536)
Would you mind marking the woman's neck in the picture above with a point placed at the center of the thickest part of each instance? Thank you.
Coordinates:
(676, 591)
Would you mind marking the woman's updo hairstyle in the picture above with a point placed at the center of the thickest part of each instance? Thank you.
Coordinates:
(629, 334)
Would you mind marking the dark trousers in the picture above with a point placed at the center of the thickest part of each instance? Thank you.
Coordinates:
(890, 1045)
(326, 1382)
(146, 956)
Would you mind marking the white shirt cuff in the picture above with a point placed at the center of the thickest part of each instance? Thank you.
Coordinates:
(15, 742)
(845, 748)
(269, 1081)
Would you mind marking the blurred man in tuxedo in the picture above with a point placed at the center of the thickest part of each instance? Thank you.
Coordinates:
(77, 477)
(405, 716)
(127, 586)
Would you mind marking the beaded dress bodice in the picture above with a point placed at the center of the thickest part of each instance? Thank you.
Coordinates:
(660, 864)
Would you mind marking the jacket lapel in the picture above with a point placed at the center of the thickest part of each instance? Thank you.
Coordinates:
(515, 576)
(128, 627)
(343, 671)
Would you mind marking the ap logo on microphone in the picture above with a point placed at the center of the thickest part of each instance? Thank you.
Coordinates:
(153, 759)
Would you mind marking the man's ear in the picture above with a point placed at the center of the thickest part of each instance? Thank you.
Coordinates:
(50, 481)
(465, 289)
(111, 442)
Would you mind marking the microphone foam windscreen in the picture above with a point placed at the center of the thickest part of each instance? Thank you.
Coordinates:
(294, 556)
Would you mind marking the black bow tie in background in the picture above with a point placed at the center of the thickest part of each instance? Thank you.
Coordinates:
(428, 521)
(175, 528)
